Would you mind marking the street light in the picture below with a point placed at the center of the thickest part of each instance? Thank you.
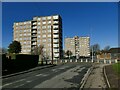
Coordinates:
(92, 46)
(92, 54)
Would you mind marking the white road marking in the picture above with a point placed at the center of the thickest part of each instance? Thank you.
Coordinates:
(55, 70)
(45, 74)
(13, 82)
(81, 69)
(28, 81)
(19, 85)
(61, 78)
(6, 84)
(63, 67)
(39, 75)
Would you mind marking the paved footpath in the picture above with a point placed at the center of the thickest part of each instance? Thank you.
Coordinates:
(96, 79)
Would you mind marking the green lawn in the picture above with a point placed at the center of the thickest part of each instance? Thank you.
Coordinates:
(116, 67)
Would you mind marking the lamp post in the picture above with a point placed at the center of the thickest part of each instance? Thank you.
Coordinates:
(92, 54)
(92, 46)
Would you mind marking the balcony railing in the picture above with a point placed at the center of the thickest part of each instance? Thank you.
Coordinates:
(55, 45)
(55, 36)
(34, 39)
(55, 31)
(34, 31)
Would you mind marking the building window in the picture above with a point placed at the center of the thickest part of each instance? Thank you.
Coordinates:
(20, 38)
(49, 35)
(25, 34)
(39, 19)
(49, 40)
(44, 40)
(38, 36)
(49, 17)
(16, 23)
(24, 22)
(38, 23)
(35, 18)
(38, 40)
(55, 17)
(20, 34)
(43, 18)
(44, 23)
(44, 36)
(38, 32)
(49, 44)
(43, 31)
(24, 30)
(49, 26)
(49, 22)
(49, 30)
(43, 27)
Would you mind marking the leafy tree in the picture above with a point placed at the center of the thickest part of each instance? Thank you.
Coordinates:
(14, 47)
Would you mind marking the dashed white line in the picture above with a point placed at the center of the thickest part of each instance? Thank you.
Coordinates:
(19, 85)
(39, 75)
(28, 81)
(13, 82)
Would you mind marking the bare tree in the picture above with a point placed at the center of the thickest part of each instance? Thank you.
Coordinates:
(3, 50)
(95, 48)
(38, 50)
(106, 48)
(68, 53)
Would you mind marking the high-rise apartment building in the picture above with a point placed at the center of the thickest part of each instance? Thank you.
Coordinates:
(79, 46)
(44, 30)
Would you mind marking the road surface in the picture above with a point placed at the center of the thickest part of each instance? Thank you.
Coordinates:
(62, 76)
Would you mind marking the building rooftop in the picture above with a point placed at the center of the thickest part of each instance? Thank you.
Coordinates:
(114, 50)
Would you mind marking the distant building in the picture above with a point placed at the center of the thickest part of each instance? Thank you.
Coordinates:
(115, 53)
(43, 30)
(79, 46)
(110, 56)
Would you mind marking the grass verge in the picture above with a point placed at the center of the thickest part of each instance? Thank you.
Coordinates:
(116, 67)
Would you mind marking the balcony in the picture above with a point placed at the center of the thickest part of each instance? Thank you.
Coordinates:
(55, 31)
(55, 40)
(55, 36)
(55, 17)
(34, 27)
(56, 55)
(55, 27)
(55, 50)
(34, 31)
(55, 45)
(34, 43)
(35, 23)
(34, 35)
(55, 22)
(34, 39)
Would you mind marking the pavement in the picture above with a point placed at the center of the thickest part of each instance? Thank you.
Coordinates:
(61, 76)
(96, 78)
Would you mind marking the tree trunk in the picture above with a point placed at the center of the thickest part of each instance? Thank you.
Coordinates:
(40, 59)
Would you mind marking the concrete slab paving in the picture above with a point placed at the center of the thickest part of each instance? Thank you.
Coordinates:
(96, 78)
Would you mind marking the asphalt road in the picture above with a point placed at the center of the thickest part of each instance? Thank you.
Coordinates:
(61, 76)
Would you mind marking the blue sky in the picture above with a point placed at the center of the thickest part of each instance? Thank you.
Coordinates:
(82, 19)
